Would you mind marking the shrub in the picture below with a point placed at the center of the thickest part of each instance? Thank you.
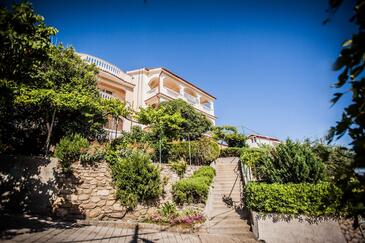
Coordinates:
(310, 199)
(203, 151)
(230, 152)
(290, 162)
(179, 167)
(168, 209)
(195, 188)
(136, 179)
(69, 150)
(205, 171)
(94, 153)
(250, 155)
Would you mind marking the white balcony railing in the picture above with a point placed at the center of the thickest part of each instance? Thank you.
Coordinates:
(172, 93)
(151, 92)
(193, 100)
(106, 95)
(206, 107)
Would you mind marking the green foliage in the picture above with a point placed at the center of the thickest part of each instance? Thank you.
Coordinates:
(351, 80)
(250, 156)
(174, 120)
(203, 151)
(194, 125)
(290, 162)
(69, 150)
(310, 199)
(46, 91)
(137, 138)
(168, 209)
(194, 189)
(94, 153)
(230, 135)
(179, 167)
(160, 122)
(230, 152)
(136, 179)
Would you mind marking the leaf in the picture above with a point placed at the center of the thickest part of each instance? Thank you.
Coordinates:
(342, 78)
(347, 43)
(336, 98)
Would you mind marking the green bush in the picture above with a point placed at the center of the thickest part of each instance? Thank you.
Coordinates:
(250, 156)
(290, 162)
(195, 188)
(230, 152)
(136, 179)
(203, 151)
(179, 167)
(205, 171)
(304, 198)
(69, 150)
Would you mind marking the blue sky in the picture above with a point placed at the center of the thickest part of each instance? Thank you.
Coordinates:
(267, 62)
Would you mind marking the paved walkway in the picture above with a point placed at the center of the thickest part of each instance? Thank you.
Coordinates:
(226, 215)
(36, 230)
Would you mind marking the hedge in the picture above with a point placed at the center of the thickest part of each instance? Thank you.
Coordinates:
(322, 199)
(202, 151)
(230, 152)
(194, 189)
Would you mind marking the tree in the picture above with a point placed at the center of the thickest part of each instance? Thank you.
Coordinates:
(195, 124)
(53, 93)
(230, 135)
(350, 63)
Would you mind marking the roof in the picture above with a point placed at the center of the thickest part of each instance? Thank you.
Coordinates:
(263, 137)
(175, 75)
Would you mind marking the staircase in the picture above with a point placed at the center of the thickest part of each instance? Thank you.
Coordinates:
(226, 216)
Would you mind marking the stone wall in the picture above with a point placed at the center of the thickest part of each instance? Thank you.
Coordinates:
(89, 193)
(37, 185)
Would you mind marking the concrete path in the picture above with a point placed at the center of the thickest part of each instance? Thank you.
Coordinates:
(226, 215)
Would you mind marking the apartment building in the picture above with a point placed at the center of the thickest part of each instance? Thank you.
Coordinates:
(146, 87)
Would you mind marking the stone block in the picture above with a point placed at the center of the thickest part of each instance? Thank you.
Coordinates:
(84, 197)
(95, 199)
(94, 213)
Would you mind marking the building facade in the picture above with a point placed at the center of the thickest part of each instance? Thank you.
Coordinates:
(256, 141)
(146, 87)
(157, 85)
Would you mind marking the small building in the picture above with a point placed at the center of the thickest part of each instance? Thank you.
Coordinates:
(255, 141)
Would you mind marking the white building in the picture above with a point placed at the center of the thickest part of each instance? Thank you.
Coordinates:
(255, 141)
(146, 87)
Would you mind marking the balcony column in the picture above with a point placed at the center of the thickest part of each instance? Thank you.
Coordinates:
(198, 96)
(161, 85)
(182, 90)
(211, 104)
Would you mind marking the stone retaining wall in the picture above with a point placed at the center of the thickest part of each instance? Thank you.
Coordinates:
(37, 185)
(89, 193)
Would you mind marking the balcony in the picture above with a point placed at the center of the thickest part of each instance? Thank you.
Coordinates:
(207, 107)
(151, 92)
(191, 99)
(106, 95)
(172, 93)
